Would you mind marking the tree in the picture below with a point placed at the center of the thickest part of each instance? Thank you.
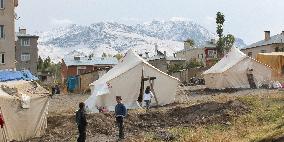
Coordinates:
(118, 56)
(193, 64)
(91, 55)
(190, 42)
(224, 43)
(229, 41)
(46, 64)
(220, 19)
(39, 64)
(172, 68)
(104, 55)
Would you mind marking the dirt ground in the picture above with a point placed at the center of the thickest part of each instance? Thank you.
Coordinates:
(194, 106)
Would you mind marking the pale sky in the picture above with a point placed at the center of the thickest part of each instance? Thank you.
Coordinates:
(246, 19)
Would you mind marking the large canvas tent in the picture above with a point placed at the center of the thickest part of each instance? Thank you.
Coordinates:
(125, 80)
(232, 72)
(24, 106)
(275, 60)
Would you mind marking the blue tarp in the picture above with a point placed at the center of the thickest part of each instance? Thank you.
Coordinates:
(16, 75)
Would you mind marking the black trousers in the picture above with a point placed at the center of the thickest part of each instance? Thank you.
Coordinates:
(82, 133)
(119, 122)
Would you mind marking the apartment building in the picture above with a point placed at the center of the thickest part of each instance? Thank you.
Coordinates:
(7, 34)
(26, 51)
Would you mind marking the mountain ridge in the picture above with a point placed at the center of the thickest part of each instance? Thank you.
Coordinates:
(113, 38)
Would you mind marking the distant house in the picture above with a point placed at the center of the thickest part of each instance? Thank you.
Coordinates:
(269, 44)
(206, 53)
(161, 61)
(77, 65)
(26, 51)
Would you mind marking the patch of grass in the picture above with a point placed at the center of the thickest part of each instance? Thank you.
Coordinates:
(264, 122)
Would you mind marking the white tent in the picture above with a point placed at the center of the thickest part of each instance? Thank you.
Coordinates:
(231, 72)
(125, 80)
(25, 117)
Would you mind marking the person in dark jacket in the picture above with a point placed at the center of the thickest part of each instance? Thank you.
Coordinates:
(81, 122)
(120, 113)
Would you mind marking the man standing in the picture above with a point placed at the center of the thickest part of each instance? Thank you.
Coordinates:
(81, 122)
(120, 113)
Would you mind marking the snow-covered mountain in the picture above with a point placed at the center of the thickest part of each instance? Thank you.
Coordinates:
(113, 38)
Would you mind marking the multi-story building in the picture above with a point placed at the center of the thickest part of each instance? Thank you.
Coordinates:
(162, 62)
(269, 44)
(7, 34)
(205, 54)
(26, 51)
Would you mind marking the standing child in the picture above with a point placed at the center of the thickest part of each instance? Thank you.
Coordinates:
(120, 113)
(148, 95)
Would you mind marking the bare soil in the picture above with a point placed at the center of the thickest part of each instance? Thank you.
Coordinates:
(193, 107)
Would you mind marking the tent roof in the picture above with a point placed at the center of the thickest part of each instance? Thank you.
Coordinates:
(229, 60)
(129, 61)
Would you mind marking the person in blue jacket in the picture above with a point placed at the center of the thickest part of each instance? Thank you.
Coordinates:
(120, 113)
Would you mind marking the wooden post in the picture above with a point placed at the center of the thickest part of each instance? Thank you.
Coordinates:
(153, 91)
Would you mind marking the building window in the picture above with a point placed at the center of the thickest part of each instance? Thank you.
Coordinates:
(2, 58)
(263, 51)
(25, 42)
(211, 54)
(277, 49)
(1, 31)
(200, 56)
(250, 54)
(25, 57)
(1, 4)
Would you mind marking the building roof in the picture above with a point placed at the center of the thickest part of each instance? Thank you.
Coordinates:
(279, 38)
(25, 35)
(86, 61)
(157, 57)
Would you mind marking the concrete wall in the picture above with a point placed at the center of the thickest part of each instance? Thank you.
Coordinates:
(87, 79)
(7, 44)
(267, 48)
(32, 50)
(160, 64)
(185, 75)
(193, 54)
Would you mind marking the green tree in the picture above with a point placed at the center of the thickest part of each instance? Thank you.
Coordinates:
(229, 41)
(46, 64)
(118, 56)
(172, 68)
(40, 64)
(190, 42)
(193, 64)
(220, 19)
